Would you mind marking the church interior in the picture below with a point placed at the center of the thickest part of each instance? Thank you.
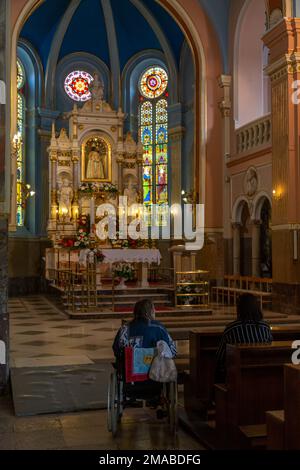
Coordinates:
(119, 121)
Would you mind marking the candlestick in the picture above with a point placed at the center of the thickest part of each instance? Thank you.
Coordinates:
(92, 214)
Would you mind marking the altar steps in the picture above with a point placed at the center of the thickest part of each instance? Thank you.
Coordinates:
(109, 300)
(160, 315)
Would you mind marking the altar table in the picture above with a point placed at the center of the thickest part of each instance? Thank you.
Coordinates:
(143, 256)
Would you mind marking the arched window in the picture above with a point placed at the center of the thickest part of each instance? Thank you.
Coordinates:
(21, 80)
(153, 120)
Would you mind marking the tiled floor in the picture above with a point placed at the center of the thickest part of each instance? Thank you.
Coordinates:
(87, 431)
(39, 329)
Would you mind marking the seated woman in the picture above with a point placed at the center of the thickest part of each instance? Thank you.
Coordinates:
(249, 328)
(143, 331)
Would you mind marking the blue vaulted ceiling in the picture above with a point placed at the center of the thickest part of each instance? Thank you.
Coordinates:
(87, 29)
(87, 32)
(40, 27)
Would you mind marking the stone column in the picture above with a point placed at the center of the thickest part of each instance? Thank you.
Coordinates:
(75, 162)
(236, 229)
(53, 189)
(225, 108)
(175, 150)
(284, 71)
(120, 161)
(256, 248)
(4, 196)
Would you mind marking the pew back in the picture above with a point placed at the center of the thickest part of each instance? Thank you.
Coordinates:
(255, 380)
(204, 343)
(292, 407)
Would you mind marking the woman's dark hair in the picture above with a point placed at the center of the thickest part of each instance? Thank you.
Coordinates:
(248, 308)
(144, 310)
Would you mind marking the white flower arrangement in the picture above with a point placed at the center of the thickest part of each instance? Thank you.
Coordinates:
(123, 270)
(96, 187)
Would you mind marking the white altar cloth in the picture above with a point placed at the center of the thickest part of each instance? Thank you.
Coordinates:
(143, 256)
(136, 255)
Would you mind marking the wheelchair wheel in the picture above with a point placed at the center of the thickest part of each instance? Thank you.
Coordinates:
(173, 418)
(113, 404)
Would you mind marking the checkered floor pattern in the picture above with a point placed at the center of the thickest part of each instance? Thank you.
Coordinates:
(38, 329)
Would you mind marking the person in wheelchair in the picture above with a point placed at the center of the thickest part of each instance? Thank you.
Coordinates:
(143, 332)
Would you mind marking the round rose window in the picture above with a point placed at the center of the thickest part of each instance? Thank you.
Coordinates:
(154, 82)
(77, 85)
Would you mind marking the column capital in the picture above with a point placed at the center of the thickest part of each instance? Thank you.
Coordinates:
(283, 38)
(225, 104)
(224, 81)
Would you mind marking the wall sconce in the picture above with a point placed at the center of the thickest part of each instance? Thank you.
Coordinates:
(189, 197)
(277, 194)
(27, 192)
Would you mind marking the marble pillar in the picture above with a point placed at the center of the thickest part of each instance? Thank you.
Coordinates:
(4, 324)
(4, 204)
(236, 229)
(284, 71)
(175, 149)
(256, 248)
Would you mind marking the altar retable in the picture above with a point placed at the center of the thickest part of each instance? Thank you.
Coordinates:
(92, 163)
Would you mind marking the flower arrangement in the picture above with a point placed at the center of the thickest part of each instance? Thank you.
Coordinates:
(67, 242)
(123, 270)
(83, 232)
(90, 188)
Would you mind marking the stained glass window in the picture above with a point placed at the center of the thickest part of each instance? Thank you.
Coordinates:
(154, 137)
(20, 217)
(77, 85)
(154, 82)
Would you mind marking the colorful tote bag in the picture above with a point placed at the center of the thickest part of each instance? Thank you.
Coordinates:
(137, 363)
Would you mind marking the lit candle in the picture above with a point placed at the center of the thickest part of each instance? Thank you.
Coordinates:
(92, 212)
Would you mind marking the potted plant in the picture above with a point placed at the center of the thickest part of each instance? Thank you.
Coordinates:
(124, 272)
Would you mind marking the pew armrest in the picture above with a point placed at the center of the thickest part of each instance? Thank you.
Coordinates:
(221, 394)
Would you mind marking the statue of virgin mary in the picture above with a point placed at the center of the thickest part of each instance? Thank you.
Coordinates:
(95, 166)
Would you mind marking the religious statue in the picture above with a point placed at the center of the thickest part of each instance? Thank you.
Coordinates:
(132, 198)
(131, 193)
(95, 165)
(65, 194)
(97, 89)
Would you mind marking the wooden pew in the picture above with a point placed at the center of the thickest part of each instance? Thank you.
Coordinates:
(254, 385)
(283, 427)
(292, 407)
(275, 430)
(204, 342)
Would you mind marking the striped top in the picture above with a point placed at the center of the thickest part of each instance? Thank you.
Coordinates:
(239, 332)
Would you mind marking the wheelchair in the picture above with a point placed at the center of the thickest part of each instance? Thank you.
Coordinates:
(122, 395)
